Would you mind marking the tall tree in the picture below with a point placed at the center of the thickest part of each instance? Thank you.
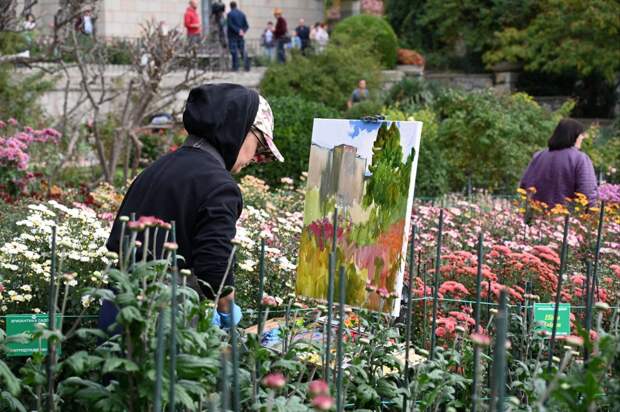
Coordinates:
(565, 36)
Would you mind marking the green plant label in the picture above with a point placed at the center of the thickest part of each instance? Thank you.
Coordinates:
(543, 318)
(27, 323)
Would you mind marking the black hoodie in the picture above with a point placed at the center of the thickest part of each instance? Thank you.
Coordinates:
(191, 186)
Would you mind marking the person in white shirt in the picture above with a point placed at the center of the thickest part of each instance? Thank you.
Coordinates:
(322, 37)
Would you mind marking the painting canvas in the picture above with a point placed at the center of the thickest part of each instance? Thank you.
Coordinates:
(365, 170)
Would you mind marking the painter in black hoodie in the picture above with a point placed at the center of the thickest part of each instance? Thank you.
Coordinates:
(229, 127)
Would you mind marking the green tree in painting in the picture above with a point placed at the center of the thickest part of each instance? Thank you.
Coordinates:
(387, 189)
(389, 182)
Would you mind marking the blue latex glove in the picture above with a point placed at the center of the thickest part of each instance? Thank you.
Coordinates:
(225, 320)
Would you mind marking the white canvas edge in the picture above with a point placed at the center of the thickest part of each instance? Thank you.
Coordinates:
(414, 171)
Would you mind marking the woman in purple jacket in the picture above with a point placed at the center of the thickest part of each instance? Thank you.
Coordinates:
(562, 169)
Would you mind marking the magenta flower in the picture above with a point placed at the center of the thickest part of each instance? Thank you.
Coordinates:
(383, 292)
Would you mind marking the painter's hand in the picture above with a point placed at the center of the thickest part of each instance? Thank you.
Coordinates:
(223, 304)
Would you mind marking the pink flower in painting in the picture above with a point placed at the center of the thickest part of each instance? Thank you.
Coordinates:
(370, 287)
(440, 332)
(383, 292)
(12, 121)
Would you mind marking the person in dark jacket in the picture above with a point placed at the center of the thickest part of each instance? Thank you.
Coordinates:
(237, 28)
(561, 170)
(229, 127)
(281, 35)
(303, 32)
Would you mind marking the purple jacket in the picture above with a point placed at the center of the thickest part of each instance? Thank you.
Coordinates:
(559, 174)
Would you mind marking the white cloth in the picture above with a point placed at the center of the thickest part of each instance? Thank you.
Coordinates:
(88, 25)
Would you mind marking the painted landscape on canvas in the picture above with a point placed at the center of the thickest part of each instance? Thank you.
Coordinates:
(367, 172)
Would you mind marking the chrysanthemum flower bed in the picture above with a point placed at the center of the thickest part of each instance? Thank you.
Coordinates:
(521, 259)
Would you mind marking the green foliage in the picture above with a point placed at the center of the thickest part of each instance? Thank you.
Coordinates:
(23, 95)
(372, 32)
(364, 108)
(565, 36)
(293, 117)
(480, 135)
(327, 78)
(432, 177)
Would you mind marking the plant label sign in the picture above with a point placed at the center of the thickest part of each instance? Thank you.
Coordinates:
(27, 323)
(543, 317)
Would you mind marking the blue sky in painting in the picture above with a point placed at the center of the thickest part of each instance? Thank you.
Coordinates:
(329, 133)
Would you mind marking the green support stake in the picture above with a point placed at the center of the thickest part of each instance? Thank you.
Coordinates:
(51, 311)
(588, 304)
(340, 343)
(159, 362)
(498, 392)
(173, 324)
(477, 319)
(235, 361)
(558, 295)
(408, 315)
(261, 287)
(225, 385)
(436, 283)
(330, 296)
(597, 250)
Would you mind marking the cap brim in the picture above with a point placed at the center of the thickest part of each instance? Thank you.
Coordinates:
(274, 150)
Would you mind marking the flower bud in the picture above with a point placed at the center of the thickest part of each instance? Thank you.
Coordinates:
(274, 380)
(323, 402)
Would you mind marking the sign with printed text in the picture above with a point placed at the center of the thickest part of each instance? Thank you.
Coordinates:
(27, 323)
(543, 317)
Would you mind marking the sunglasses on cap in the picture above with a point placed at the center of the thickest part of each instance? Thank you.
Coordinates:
(263, 153)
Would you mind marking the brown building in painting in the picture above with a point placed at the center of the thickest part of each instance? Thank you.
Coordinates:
(341, 174)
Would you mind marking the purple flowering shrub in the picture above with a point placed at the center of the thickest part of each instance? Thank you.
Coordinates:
(609, 193)
(16, 144)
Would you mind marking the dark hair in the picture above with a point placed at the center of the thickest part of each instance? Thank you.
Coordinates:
(233, 4)
(565, 134)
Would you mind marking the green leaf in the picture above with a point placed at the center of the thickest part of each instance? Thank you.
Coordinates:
(130, 314)
(11, 381)
(13, 403)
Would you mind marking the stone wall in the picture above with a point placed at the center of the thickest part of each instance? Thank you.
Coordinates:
(117, 78)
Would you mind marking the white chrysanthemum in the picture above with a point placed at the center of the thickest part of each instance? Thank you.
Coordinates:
(247, 265)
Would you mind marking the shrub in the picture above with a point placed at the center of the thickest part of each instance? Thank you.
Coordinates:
(490, 138)
(368, 31)
(365, 108)
(328, 78)
(432, 172)
(479, 136)
(294, 117)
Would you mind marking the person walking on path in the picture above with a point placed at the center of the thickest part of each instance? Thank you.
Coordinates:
(359, 94)
(268, 41)
(562, 170)
(237, 28)
(281, 35)
(303, 32)
(192, 24)
(229, 126)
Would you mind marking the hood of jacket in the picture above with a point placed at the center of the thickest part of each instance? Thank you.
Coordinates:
(221, 114)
